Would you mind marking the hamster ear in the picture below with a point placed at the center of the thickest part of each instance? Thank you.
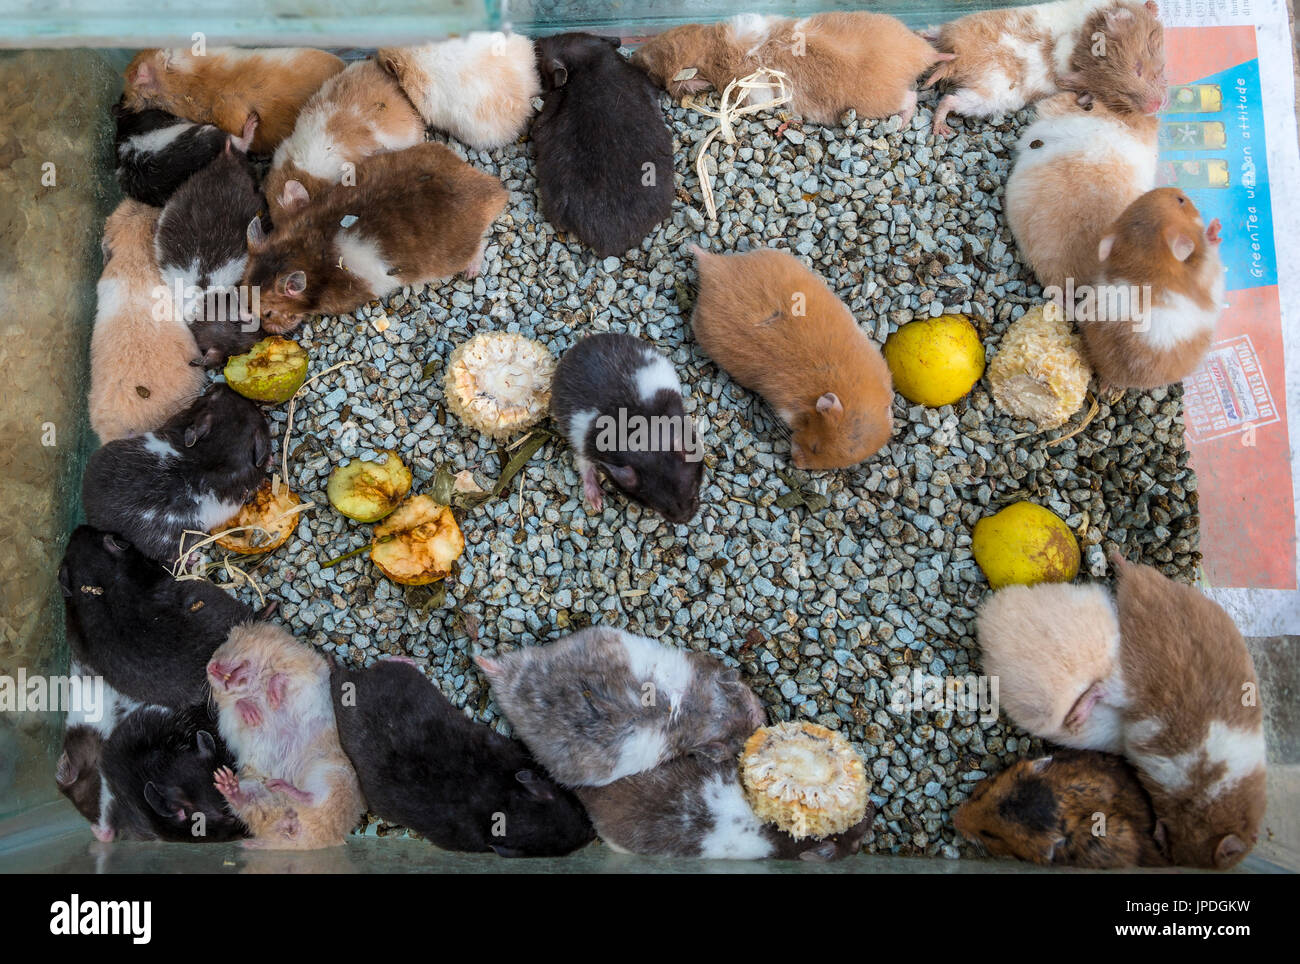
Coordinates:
(161, 802)
(294, 195)
(1152, 6)
(65, 774)
(145, 77)
(199, 430)
(537, 787)
(614, 42)
(391, 61)
(1228, 850)
(65, 580)
(255, 235)
(206, 744)
(1049, 854)
(829, 404)
(1181, 246)
(1042, 763)
(295, 283)
(113, 544)
(490, 666)
(624, 475)
(559, 73)
(714, 752)
(1161, 835)
(1071, 81)
(1104, 249)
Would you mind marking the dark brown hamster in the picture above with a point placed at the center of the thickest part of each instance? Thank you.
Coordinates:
(425, 765)
(694, 807)
(148, 635)
(604, 153)
(193, 473)
(1075, 808)
(617, 400)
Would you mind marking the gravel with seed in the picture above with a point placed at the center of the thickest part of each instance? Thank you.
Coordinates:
(820, 607)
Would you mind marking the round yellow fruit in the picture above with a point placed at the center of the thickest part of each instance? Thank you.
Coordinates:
(368, 491)
(1025, 544)
(271, 371)
(935, 361)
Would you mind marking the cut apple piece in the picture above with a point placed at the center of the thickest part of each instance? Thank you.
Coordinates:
(419, 542)
(272, 515)
(368, 491)
(271, 371)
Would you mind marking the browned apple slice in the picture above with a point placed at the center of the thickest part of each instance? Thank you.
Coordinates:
(418, 543)
(270, 512)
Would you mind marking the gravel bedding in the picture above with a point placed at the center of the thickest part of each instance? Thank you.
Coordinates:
(821, 604)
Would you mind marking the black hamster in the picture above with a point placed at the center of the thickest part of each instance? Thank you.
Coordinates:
(157, 772)
(603, 704)
(94, 712)
(148, 635)
(604, 153)
(618, 401)
(424, 764)
(694, 807)
(193, 473)
(157, 152)
(202, 245)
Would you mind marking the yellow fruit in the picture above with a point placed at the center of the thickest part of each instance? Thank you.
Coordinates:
(368, 491)
(418, 543)
(1025, 544)
(271, 371)
(935, 361)
(270, 512)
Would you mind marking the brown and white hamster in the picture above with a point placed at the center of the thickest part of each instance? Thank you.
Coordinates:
(141, 351)
(1076, 170)
(696, 807)
(1107, 51)
(1054, 649)
(776, 328)
(602, 704)
(1075, 808)
(1193, 724)
(414, 216)
(356, 113)
(1162, 263)
(478, 88)
(225, 85)
(295, 788)
(867, 62)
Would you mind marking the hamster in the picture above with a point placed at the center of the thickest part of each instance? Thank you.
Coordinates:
(1107, 51)
(295, 788)
(148, 635)
(1054, 649)
(1072, 809)
(866, 62)
(1076, 170)
(422, 763)
(415, 216)
(141, 352)
(1193, 725)
(776, 328)
(478, 88)
(604, 154)
(157, 779)
(225, 85)
(157, 151)
(356, 113)
(1180, 700)
(94, 714)
(693, 807)
(201, 249)
(618, 401)
(193, 473)
(602, 704)
(1161, 263)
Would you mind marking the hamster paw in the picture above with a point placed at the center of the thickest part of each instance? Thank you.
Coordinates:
(1212, 233)
(591, 488)
(289, 790)
(249, 712)
(276, 689)
(476, 265)
(227, 785)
